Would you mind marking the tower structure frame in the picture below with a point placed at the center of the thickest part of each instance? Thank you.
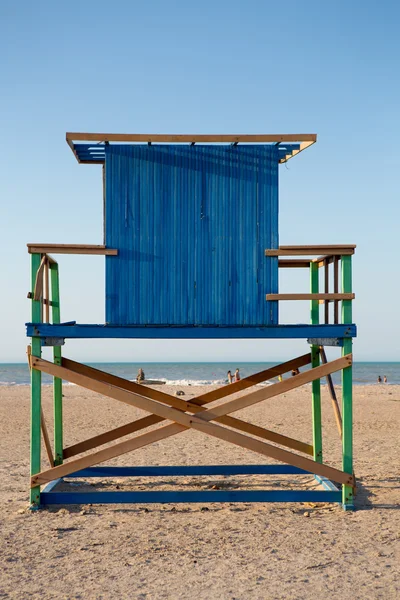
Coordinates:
(202, 174)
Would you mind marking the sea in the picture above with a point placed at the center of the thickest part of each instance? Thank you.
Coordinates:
(187, 374)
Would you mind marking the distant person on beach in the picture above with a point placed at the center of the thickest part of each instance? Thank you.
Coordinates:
(237, 375)
(379, 379)
(140, 376)
(229, 377)
(384, 379)
(295, 372)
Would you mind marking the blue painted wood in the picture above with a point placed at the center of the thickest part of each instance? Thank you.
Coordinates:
(327, 484)
(163, 497)
(132, 332)
(191, 470)
(90, 152)
(191, 224)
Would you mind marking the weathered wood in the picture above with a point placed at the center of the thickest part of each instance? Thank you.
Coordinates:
(190, 138)
(326, 290)
(46, 438)
(332, 393)
(277, 388)
(124, 384)
(336, 288)
(335, 250)
(57, 383)
(47, 291)
(251, 380)
(139, 424)
(266, 434)
(328, 297)
(205, 398)
(347, 388)
(198, 422)
(38, 287)
(321, 260)
(173, 414)
(170, 430)
(71, 249)
(193, 406)
(294, 263)
(106, 454)
(176, 415)
(109, 436)
(36, 388)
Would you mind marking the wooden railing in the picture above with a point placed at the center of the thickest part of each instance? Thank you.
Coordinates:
(328, 255)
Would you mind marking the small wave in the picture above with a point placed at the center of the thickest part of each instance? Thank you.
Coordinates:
(203, 382)
(193, 381)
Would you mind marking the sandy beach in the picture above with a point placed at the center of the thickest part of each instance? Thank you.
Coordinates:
(224, 551)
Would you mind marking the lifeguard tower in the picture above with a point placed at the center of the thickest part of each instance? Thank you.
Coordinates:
(192, 252)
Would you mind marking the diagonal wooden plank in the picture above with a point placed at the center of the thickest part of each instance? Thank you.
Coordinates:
(277, 388)
(332, 394)
(131, 386)
(38, 289)
(46, 438)
(185, 406)
(102, 455)
(200, 424)
(217, 394)
(247, 382)
(266, 434)
(176, 415)
(109, 436)
(139, 424)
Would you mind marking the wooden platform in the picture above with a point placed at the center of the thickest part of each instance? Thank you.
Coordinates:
(81, 331)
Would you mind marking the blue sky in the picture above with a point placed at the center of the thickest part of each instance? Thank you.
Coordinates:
(209, 67)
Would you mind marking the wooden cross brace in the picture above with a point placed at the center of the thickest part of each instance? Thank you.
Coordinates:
(166, 407)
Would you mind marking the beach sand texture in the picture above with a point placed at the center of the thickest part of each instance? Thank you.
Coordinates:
(222, 551)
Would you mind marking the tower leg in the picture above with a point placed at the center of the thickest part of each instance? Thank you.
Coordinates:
(315, 361)
(36, 391)
(57, 383)
(347, 390)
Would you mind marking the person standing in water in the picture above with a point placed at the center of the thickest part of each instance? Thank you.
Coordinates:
(379, 379)
(229, 377)
(384, 379)
(237, 375)
(140, 376)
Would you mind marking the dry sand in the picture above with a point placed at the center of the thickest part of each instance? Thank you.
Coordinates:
(222, 551)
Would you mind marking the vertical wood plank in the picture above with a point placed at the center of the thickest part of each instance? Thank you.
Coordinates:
(336, 288)
(316, 385)
(347, 388)
(332, 394)
(36, 384)
(57, 382)
(47, 291)
(46, 438)
(326, 289)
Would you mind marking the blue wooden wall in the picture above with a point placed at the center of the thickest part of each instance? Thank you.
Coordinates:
(191, 224)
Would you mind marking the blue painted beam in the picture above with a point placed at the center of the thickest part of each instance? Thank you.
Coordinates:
(189, 471)
(189, 332)
(162, 497)
(326, 483)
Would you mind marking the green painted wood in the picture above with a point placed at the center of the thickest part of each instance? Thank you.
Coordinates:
(347, 387)
(36, 389)
(315, 361)
(57, 383)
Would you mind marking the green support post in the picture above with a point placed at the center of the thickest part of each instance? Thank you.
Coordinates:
(57, 383)
(315, 361)
(36, 389)
(347, 388)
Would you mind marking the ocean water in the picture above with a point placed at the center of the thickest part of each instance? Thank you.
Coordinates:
(364, 373)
